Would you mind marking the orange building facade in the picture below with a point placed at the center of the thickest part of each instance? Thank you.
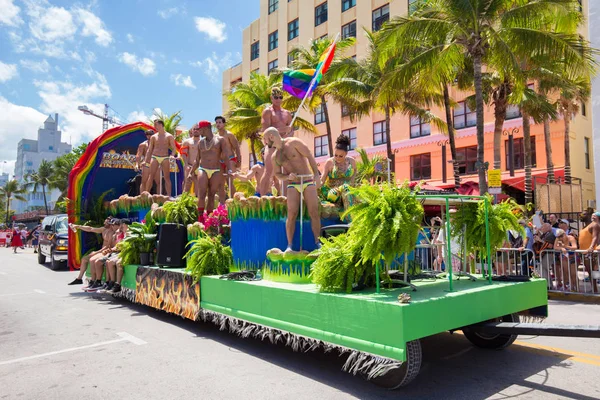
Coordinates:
(418, 147)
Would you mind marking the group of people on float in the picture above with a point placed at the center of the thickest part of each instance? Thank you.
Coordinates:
(107, 260)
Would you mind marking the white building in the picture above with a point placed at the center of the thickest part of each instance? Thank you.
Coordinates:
(30, 154)
(3, 178)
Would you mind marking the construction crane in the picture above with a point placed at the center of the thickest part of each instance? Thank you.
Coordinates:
(105, 118)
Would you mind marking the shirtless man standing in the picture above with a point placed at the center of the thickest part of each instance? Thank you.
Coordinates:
(189, 156)
(294, 157)
(234, 145)
(212, 150)
(280, 119)
(158, 155)
(107, 235)
(140, 157)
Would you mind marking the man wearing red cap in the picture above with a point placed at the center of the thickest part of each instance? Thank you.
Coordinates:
(211, 180)
(189, 153)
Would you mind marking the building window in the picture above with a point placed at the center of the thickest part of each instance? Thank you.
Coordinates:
(321, 146)
(420, 167)
(320, 14)
(273, 40)
(254, 50)
(320, 114)
(51, 148)
(255, 71)
(272, 65)
(345, 110)
(349, 30)
(513, 111)
(348, 4)
(26, 146)
(293, 29)
(419, 128)
(291, 58)
(379, 136)
(583, 110)
(466, 158)
(29, 163)
(273, 6)
(586, 152)
(380, 16)
(463, 116)
(351, 133)
(413, 5)
(519, 153)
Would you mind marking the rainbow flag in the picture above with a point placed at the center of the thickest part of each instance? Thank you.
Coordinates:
(301, 83)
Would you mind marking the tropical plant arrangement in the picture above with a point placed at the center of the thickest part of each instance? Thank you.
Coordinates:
(142, 240)
(471, 218)
(385, 224)
(273, 208)
(126, 204)
(208, 256)
(184, 210)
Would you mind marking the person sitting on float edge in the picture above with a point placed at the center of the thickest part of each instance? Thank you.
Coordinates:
(106, 233)
(293, 156)
(339, 173)
(97, 261)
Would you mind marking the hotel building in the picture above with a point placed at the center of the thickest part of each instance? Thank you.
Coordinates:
(418, 147)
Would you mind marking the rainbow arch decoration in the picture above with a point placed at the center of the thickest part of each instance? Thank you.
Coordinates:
(89, 179)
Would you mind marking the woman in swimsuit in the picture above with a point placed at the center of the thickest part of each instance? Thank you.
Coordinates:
(339, 173)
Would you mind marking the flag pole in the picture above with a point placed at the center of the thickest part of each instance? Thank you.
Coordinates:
(313, 81)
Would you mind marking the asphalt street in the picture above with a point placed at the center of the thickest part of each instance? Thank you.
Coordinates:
(57, 342)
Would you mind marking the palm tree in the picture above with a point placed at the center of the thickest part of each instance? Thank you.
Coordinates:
(363, 87)
(62, 167)
(247, 101)
(171, 121)
(370, 169)
(496, 34)
(42, 177)
(8, 191)
(308, 58)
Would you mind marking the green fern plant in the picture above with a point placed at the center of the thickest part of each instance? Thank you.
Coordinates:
(208, 256)
(385, 221)
(142, 239)
(182, 211)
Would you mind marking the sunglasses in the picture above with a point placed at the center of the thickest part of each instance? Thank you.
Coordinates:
(277, 97)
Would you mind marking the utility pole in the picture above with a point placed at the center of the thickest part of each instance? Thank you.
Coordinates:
(105, 118)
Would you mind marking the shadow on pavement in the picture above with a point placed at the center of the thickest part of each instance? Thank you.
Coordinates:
(452, 368)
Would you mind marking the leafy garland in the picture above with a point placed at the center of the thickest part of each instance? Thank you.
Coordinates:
(208, 256)
(385, 221)
(268, 208)
(501, 218)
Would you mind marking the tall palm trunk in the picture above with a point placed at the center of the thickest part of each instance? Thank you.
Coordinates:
(483, 186)
(567, 118)
(500, 105)
(388, 141)
(45, 201)
(527, 150)
(252, 150)
(327, 125)
(548, 143)
(451, 138)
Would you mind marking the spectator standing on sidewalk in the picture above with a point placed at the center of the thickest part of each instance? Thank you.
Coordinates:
(527, 247)
(16, 240)
(567, 258)
(545, 242)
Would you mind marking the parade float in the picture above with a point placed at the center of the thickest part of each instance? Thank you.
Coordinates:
(355, 295)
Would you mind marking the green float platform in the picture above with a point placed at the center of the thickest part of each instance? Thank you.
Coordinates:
(366, 321)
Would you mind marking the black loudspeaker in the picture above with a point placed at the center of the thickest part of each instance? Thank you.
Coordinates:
(172, 239)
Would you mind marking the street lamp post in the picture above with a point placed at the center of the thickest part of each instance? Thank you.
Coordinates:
(511, 150)
(443, 144)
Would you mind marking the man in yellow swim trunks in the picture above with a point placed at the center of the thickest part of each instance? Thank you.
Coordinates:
(158, 156)
(294, 157)
(212, 149)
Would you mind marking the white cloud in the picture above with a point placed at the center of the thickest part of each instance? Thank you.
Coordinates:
(51, 24)
(136, 116)
(181, 80)
(9, 13)
(16, 123)
(93, 26)
(64, 98)
(144, 66)
(130, 38)
(41, 67)
(8, 71)
(213, 28)
(168, 13)
(31, 45)
(214, 65)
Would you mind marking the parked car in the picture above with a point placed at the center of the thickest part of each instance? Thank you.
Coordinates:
(53, 241)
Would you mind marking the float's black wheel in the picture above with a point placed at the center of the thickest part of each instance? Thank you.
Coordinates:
(495, 342)
(404, 374)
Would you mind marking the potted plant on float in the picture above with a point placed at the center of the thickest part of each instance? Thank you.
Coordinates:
(138, 248)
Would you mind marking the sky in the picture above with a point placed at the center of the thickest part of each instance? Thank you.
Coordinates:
(134, 55)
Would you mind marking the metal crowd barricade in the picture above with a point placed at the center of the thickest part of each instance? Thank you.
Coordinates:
(512, 261)
(575, 271)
